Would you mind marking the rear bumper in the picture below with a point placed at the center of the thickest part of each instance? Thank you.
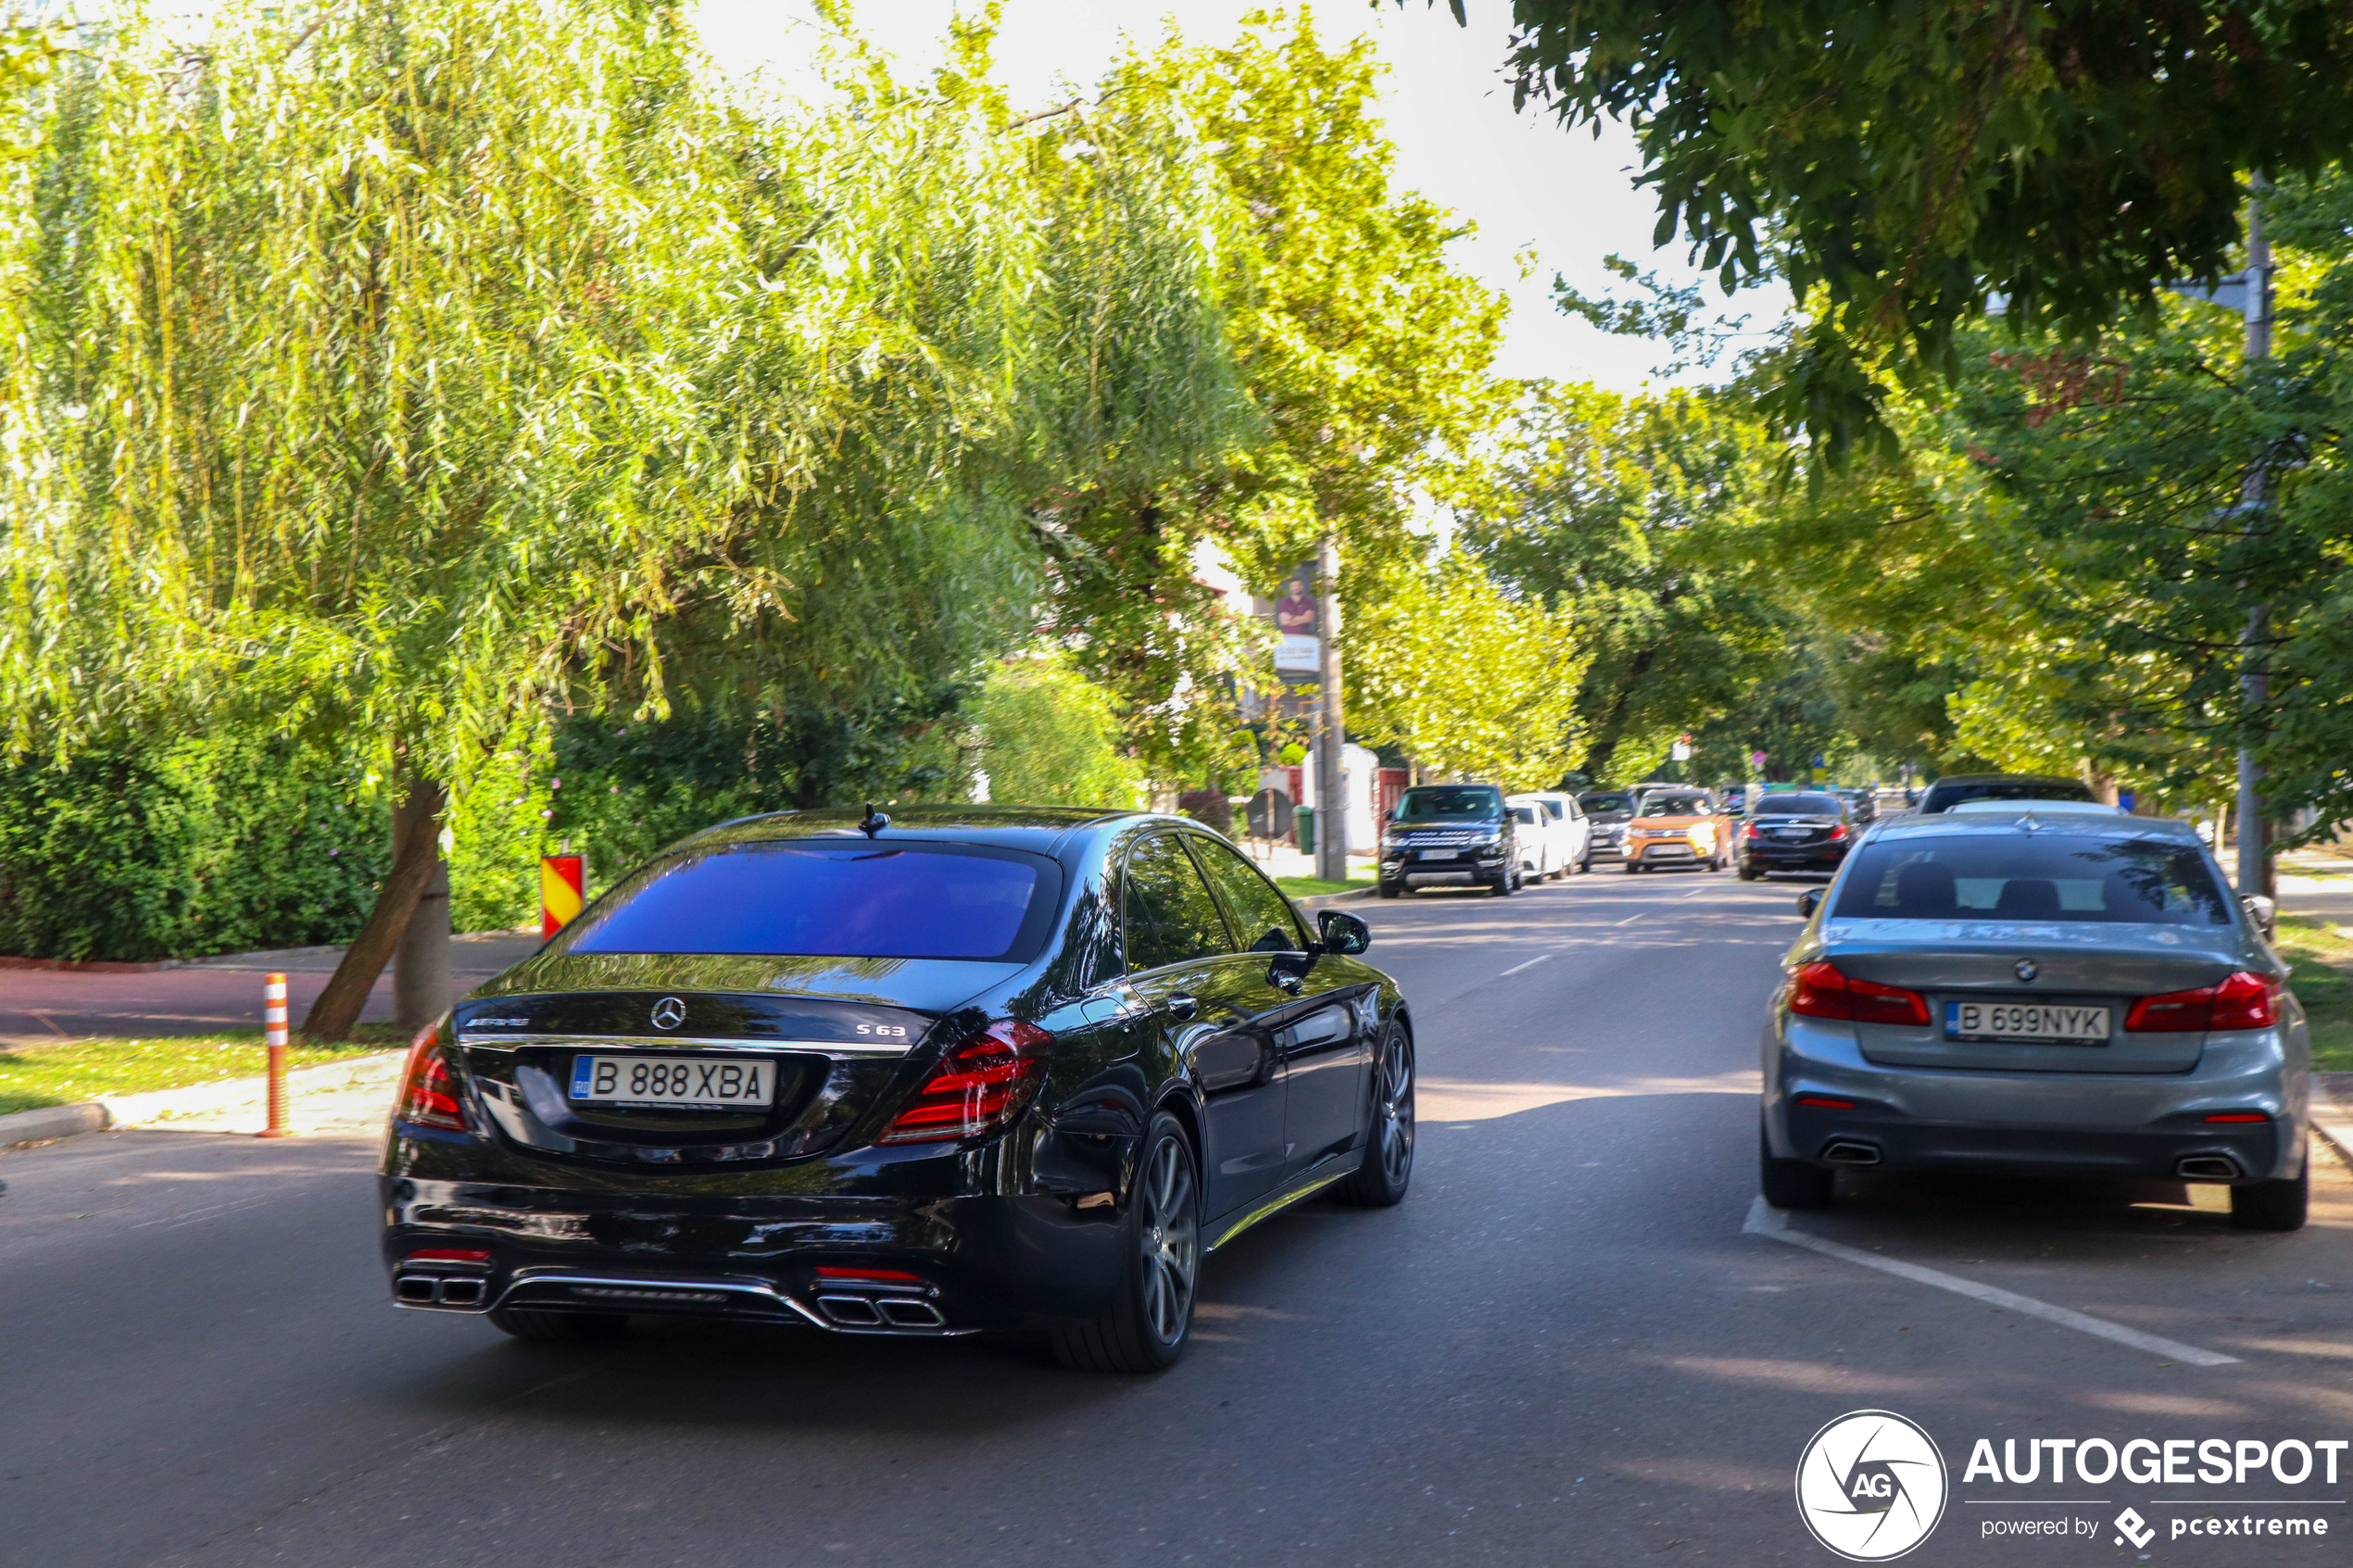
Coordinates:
(2083, 1124)
(984, 1247)
(1794, 856)
(1665, 852)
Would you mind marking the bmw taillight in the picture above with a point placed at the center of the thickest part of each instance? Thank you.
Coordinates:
(1821, 990)
(428, 1089)
(980, 1085)
(2243, 1001)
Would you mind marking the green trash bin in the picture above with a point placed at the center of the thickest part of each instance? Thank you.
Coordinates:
(1303, 821)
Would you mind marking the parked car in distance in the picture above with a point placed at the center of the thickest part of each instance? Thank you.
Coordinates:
(978, 1066)
(1810, 832)
(1567, 837)
(1449, 835)
(2023, 995)
(1608, 811)
(1735, 799)
(1862, 805)
(1676, 826)
(1954, 788)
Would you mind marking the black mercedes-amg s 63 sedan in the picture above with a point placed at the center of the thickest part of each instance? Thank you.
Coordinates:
(976, 1068)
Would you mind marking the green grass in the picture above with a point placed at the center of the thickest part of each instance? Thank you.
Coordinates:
(32, 1076)
(1309, 887)
(2321, 977)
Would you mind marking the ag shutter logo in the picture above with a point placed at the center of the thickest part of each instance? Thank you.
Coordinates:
(1870, 1486)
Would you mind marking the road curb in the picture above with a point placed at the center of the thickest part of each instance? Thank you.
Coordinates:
(2331, 1116)
(41, 1124)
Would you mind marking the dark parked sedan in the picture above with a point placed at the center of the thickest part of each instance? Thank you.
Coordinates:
(1954, 788)
(1795, 833)
(978, 1068)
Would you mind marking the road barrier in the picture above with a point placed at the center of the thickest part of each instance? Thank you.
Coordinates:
(273, 1028)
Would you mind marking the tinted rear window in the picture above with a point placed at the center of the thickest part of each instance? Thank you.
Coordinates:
(1798, 806)
(1451, 803)
(2043, 877)
(1944, 797)
(1611, 802)
(833, 899)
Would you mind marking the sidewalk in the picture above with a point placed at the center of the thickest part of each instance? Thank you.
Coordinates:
(211, 995)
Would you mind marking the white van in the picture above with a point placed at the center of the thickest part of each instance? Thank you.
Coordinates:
(1555, 837)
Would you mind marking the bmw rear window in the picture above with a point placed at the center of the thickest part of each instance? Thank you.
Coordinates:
(829, 898)
(2044, 878)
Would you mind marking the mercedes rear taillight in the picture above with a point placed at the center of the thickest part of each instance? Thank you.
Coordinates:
(980, 1085)
(428, 1089)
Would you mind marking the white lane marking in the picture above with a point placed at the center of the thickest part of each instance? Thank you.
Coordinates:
(1529, 964)
(1766, 1221)
(1631, 919)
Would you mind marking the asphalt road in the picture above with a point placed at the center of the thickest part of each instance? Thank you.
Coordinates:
(1562, 1349)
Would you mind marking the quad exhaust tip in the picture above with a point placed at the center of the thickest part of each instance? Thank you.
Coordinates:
(433, 1290)
(888, 1311)
(2208, 1168)
(1846, 1151)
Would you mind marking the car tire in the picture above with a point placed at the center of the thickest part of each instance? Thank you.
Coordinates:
(559, 1328)
(1380, 1180)
(1632, 866)
(1585, 861)
(1749, 873)
(2273, 1206)
(1146, 1330)
(1388, 889)
(1790, 1183)
(1502, 886)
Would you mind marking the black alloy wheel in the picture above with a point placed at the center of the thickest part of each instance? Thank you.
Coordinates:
(2273, 1206)
(1388, 1168)
(1790, 1183)
(559, 1328)
(1151, 1318)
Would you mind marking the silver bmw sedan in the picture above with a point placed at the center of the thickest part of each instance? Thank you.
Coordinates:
(2042, 992)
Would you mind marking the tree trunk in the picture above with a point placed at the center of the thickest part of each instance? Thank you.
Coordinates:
(416, 860)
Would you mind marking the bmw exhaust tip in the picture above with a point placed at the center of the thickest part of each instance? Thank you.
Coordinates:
(2208, 1168)
(1848, 1152)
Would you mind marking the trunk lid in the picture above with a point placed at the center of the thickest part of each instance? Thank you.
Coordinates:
(2109, 965)
(834, 1036)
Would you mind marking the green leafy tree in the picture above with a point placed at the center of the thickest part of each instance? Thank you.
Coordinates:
(1894, 164)
(1049, 736)
(1641, 514)
(1470, 682)
(390, 372)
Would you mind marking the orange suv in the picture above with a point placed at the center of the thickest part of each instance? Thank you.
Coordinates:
(1675, 826)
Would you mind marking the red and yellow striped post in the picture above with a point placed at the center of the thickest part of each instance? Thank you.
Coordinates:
(559, 899)
(273, 1029)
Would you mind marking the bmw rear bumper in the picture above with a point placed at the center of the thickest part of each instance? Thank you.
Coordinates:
(2082, 1124)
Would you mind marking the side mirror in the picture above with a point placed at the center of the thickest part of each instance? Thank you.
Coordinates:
(2263, 911)
(1341, 932)
(1808, 901)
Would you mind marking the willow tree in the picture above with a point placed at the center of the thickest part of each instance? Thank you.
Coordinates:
(397, 368)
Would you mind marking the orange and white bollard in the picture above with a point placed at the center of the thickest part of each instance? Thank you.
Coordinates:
(560, 881)
(273, 1028)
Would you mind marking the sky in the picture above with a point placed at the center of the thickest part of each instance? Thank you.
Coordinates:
(1527, 183)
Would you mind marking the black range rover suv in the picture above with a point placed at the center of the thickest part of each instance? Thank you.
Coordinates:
(978, 1068)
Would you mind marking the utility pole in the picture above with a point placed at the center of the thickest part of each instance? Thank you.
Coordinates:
(1331, 790)
(2254, 681)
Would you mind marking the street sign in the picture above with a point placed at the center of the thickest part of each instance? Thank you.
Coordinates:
(1299, 643)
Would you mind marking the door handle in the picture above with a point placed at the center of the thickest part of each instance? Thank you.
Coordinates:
(1182, 1004)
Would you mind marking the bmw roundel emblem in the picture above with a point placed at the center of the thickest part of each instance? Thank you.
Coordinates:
(2027, 969)
(668, 1013)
